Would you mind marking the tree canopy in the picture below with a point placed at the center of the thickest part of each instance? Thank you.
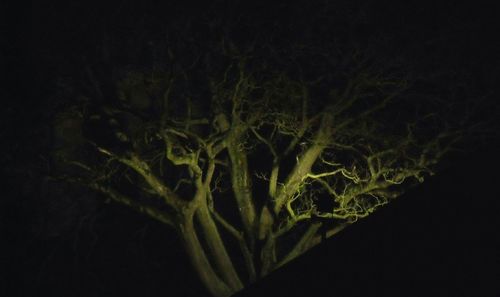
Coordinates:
(273, 136)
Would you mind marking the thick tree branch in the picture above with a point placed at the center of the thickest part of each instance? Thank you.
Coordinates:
(242, 184)
(142, 168)
(304, 164)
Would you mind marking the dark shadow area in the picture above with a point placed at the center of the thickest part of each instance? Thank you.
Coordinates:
(439, 239)
(115, 253)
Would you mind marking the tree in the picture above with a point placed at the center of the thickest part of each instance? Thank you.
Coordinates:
(270, 145)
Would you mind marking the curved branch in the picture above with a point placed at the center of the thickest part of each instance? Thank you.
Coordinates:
(139, 166)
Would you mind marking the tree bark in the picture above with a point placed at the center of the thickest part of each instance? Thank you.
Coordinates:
(200, 261)
(217, 249)
(242, 189)
(268, 255)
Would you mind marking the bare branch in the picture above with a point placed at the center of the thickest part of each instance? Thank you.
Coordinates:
(230, 228)
(266, 142)
(142, 208)
(169, 197)
(304, 165)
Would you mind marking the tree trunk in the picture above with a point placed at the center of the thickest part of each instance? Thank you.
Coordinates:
(222, 261)
(200, 261)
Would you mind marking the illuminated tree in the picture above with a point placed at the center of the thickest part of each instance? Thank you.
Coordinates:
(273, 147)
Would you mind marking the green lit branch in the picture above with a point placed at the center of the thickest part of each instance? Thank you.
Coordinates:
(142, 168)
(184, 157)
(304, 164)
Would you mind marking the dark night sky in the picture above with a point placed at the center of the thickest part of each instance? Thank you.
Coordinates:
(115, 252)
